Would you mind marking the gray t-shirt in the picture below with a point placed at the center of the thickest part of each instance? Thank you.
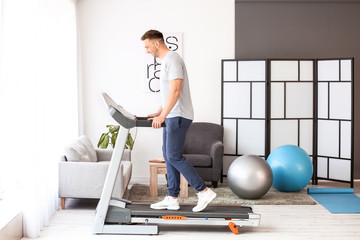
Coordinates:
(173, 67)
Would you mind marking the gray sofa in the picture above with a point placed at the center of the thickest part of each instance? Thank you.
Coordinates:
(204, 148)
(85, 179)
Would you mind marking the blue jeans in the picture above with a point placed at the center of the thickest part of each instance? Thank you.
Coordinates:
(174, 135)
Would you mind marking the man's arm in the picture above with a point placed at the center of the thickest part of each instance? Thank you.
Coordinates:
(172, 98)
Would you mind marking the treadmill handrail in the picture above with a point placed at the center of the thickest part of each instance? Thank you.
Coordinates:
(128, 122)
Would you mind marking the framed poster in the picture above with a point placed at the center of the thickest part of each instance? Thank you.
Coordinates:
(153, 65)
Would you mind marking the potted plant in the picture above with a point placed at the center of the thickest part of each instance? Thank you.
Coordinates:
(110, 137)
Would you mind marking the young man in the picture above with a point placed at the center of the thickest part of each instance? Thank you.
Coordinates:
(177, 112)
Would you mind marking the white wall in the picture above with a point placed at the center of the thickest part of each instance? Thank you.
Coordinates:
(112, 56)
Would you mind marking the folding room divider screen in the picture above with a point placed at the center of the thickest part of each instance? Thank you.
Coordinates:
(304, 102)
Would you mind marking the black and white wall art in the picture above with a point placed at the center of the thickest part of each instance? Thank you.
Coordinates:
(153, 65)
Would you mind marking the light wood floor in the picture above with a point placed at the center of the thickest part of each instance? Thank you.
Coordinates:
(277, 222)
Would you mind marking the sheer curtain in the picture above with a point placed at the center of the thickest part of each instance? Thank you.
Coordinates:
(38, 101)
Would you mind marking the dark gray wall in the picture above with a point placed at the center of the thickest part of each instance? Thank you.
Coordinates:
(302, 29)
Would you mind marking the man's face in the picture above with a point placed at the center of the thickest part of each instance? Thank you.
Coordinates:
(150, 46)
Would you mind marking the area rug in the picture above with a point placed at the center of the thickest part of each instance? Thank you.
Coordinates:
(336, 200)
(140, 194)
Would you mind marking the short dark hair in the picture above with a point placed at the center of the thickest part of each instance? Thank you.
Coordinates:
(152, 34)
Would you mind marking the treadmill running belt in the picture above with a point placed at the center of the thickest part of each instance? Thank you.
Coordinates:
(186, 211)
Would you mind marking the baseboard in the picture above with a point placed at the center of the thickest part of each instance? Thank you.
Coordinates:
(13, 230)
(10, 207)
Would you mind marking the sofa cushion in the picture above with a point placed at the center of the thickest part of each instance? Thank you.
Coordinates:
(81, 150)
(199, 160)
(89, 147)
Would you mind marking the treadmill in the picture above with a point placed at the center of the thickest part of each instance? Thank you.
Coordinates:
(119, 216)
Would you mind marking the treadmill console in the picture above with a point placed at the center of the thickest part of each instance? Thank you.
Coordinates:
(124, 118)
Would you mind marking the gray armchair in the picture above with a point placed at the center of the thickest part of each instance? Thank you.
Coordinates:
(204, 149)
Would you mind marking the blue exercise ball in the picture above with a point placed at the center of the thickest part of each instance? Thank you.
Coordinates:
(249, 177)
(292, 168)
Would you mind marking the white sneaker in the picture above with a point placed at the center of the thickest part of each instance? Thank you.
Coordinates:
(204, 199)
(168, 203)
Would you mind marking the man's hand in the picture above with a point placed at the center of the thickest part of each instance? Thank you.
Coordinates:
(157, 121)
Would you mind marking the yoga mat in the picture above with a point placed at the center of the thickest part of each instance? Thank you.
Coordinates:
(336, 200)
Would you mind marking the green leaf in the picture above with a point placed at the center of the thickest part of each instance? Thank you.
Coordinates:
(113, 139)
(130, 142)
(113, 128)
(111, 136)
(101, 139)
(105, 143)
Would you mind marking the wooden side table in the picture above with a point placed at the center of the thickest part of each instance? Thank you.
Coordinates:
(160, 168)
